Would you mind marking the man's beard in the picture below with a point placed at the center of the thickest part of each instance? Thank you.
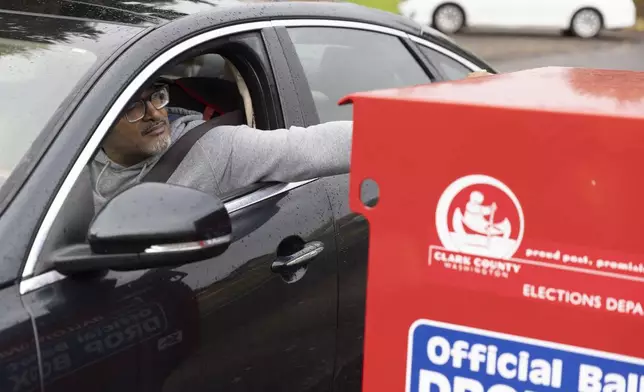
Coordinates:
(161, 142)
(159, 145)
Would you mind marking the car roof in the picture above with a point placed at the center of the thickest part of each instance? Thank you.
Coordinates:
(155, 12)
(143, 14)
(330, 10)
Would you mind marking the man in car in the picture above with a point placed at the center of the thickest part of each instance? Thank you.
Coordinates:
(224, 159)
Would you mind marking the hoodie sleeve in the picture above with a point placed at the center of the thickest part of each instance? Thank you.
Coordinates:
(240, 156)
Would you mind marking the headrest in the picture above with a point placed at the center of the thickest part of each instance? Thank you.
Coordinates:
(209, 84)
(209, 65)
(211, 96)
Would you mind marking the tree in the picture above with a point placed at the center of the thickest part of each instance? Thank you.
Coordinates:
(41, 29)
(58, 30)
(124, 11)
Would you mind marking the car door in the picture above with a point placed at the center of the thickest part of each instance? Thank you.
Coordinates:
(330, 60)
(328, 64)
(228, 323)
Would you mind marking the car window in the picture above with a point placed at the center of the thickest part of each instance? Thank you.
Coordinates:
(35, 78)
(451, 68)
(339, 61)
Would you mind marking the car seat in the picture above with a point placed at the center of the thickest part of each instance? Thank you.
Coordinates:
(210, 96)
(212, 85)
(244, 92)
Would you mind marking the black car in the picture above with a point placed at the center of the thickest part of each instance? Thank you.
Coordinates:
(259, 290)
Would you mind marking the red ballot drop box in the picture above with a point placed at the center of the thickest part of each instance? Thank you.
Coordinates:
(507, 243)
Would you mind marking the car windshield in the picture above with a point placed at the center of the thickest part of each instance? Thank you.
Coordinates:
(35, 78)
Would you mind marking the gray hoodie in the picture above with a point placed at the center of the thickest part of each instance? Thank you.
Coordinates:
(230, 157)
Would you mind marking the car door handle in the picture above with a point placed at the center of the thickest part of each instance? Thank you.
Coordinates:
(298, 259)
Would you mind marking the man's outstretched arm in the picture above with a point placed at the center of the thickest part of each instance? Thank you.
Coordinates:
(241, 156)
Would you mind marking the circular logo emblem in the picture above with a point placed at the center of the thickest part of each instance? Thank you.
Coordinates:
(480, 215)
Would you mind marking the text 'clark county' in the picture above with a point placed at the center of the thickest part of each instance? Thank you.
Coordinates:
(475, 261)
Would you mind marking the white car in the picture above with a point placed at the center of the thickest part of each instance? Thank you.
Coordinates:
(583, 18)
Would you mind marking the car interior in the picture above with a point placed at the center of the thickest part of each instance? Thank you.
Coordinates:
(332, 78)
(210, 84)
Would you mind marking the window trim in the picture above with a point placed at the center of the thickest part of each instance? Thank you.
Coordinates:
(434, 73)
(255, 85)
(300, 79)
(286, 90)
(31, 282)
(374, 28)
(337, 23)
(461, 60)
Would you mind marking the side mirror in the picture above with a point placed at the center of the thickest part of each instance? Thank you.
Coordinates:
(150, 225)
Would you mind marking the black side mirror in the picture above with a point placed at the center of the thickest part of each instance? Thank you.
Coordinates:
(151, 225)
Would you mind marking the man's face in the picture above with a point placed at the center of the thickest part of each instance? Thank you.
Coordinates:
(143, 129)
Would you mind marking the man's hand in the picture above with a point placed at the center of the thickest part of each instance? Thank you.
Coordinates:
(477, 74)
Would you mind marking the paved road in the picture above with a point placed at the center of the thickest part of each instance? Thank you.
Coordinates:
(511, 52)
(629, 57)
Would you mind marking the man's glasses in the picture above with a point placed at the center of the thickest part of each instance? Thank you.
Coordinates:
(136, 111)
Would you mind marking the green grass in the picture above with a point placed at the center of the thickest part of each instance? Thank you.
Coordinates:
(387, 5)
(639, 26)
(639, 4)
